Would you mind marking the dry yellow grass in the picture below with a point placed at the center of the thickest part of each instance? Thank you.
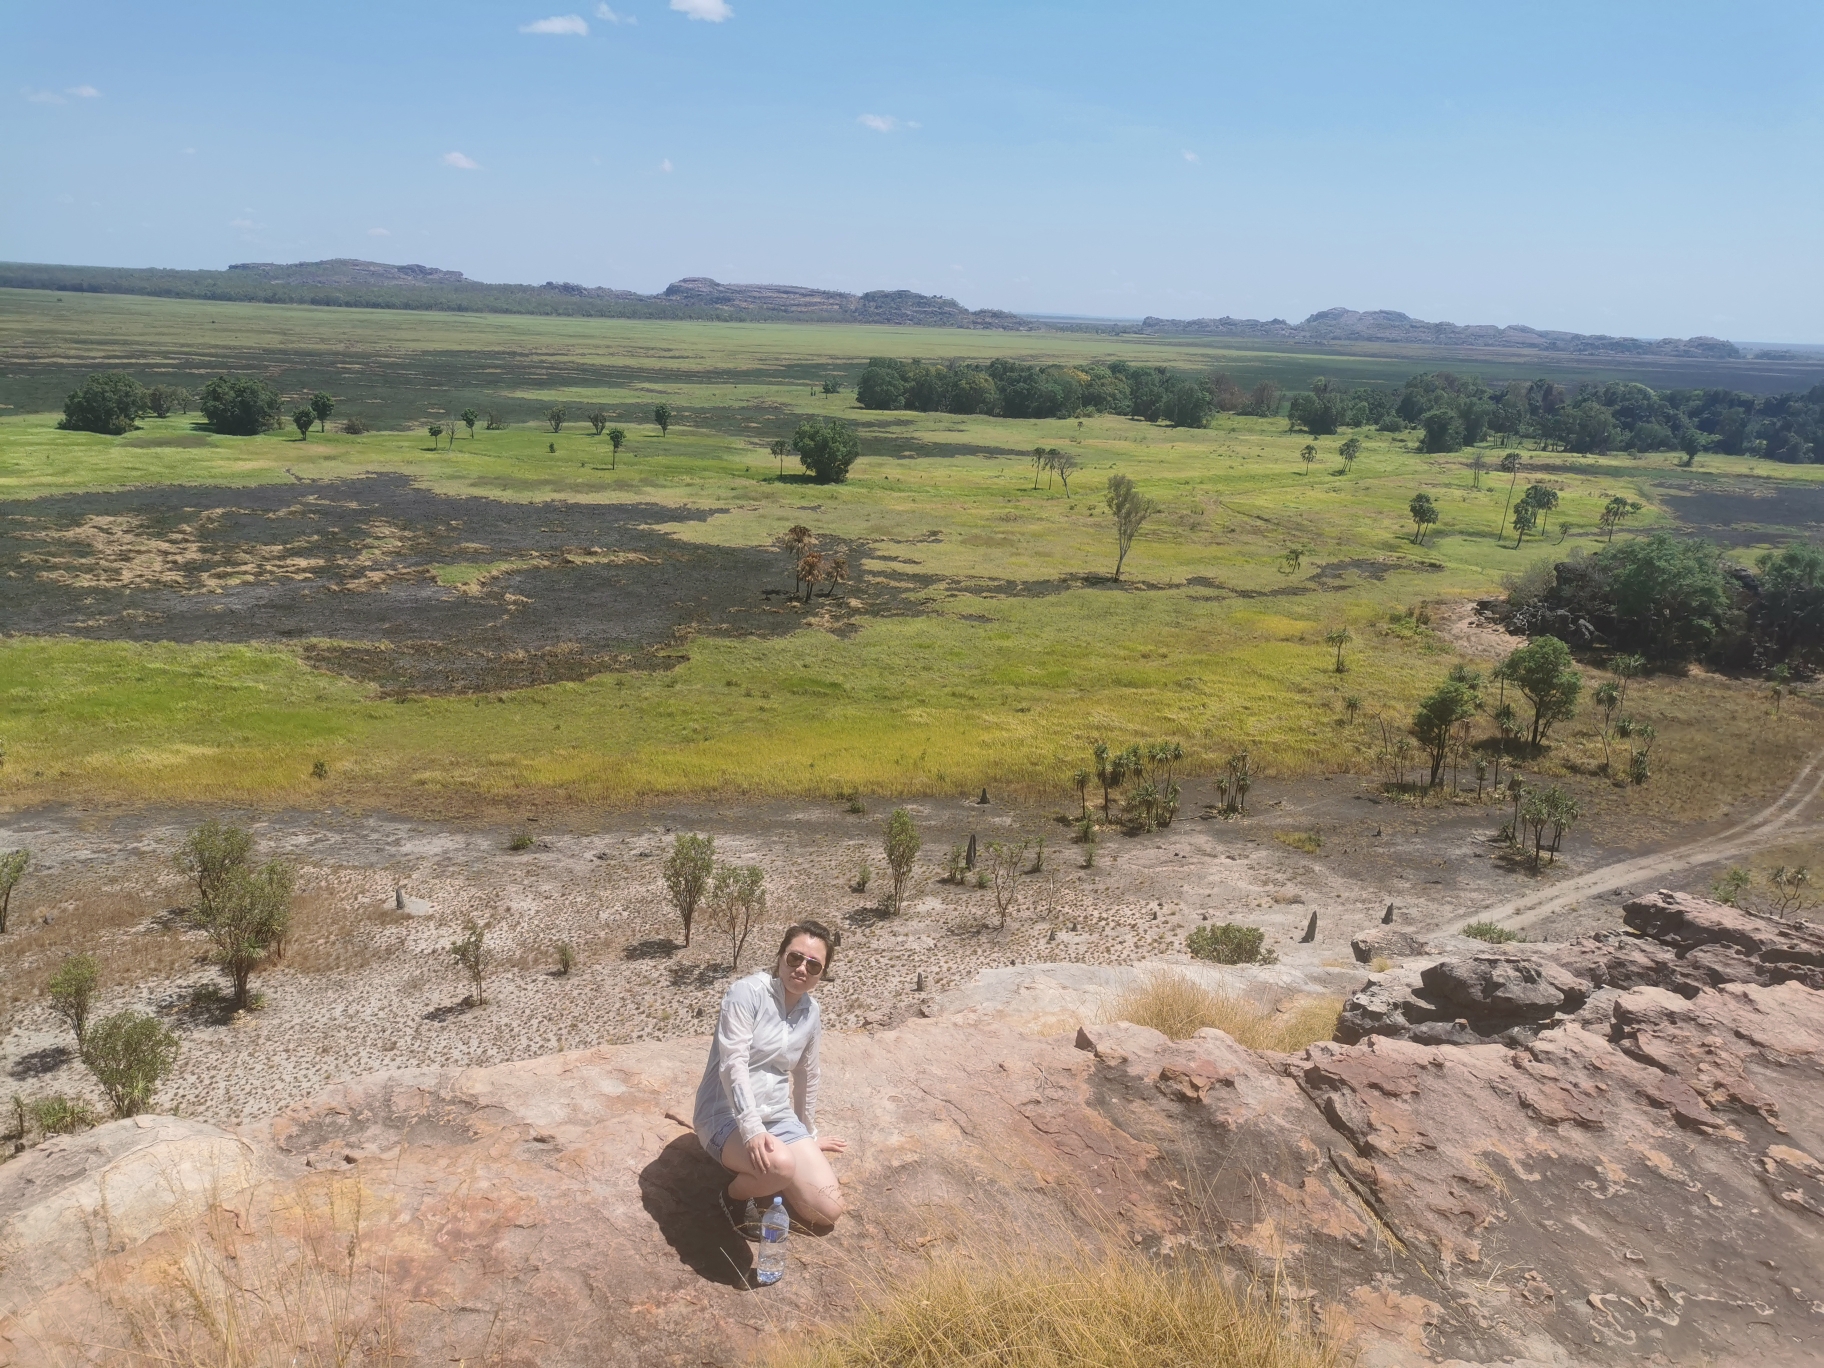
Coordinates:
(1112, 1310)
(1179, 1006)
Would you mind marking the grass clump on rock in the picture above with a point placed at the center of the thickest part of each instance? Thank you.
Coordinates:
(1179, 1007)
(1230, 943)
(1077, 1307)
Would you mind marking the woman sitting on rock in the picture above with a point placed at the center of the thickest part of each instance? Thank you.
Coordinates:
(757, 1105)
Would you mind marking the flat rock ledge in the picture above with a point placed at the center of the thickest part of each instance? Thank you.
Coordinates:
(1602, 1153)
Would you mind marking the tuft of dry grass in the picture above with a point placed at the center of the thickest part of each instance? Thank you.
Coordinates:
(1109, 1310)
(1179, 1006)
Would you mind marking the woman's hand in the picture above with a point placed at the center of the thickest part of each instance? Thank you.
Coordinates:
(829, 1144)
(761, 1151)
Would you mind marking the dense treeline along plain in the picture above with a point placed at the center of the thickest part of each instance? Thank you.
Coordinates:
(1042, 543)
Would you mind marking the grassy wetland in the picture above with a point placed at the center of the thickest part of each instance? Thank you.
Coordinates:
(981, 638)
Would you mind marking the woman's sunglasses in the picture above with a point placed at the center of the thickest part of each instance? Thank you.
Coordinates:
(812, 967)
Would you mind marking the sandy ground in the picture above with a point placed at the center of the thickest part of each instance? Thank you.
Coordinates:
(367, 987)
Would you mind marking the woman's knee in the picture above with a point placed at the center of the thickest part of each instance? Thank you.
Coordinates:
(822, 1205)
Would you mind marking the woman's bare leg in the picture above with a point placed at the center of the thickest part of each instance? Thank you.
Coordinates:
(813, 1193)
(749, 1181)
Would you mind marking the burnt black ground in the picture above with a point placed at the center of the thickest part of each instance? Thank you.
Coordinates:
(345, 569)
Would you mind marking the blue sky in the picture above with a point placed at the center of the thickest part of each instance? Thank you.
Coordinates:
(1649, 169)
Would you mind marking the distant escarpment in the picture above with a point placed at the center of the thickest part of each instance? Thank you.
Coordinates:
(349, 283)
(1387, 325)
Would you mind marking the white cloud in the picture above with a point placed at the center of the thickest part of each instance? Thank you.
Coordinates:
(710, 11)
(242, 223)
(1189, 155)
(665, 166)
(880, 123)
(42, 96)
(607, 15)
(378, 232)
(84, 92)
(572, 25)
(460, 162)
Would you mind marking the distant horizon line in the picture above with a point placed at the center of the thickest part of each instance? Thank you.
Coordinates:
(1036, 315)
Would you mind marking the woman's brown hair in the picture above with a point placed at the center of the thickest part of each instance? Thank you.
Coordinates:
(817, 931)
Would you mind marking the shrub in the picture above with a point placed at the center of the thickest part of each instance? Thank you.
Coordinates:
(521, 840)
(60, 1115)
(1230, 943)
(902, 846)
(687, 873)
(1311, 842)
(566, 957)
(246, 922)
(129, 1054)
(1179, 1006)
(862, 876)
(354, 427)
(1492, 932)
(736, 905)
(107, 404)
(319, 769)
(244, 407)
(211, 855)
(471, 955)
(12, 869)
(72, 990)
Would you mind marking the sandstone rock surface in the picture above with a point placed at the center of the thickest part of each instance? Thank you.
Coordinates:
(1618, 1175)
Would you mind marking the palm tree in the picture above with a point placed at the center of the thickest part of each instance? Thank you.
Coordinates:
(1308, 455)
(1338, 637)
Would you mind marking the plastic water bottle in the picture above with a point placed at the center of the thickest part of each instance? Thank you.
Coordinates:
(774, 1227)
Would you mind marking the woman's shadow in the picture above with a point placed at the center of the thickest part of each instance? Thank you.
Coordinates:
(678, 1190)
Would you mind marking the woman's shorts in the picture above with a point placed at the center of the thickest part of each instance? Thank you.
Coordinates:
(787, 1129)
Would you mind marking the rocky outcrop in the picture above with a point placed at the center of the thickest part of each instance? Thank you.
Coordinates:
(1385, 942)
(1389, 325)
(1582, 1173)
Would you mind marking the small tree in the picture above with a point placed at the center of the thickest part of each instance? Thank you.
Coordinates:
(827, 448)
(1006, 862)
(212, 855)
(1349, 450)
(598, 419)
(902, 846)
(1066, 465)
(72, 990)
(555, 416)
(471, 956)
(469, 419)
(1040, 464)
(436, 431)
(779, 447)
(1111, 772)
(615, 437)
(129, 1054)
(1338, 637)
(12, 869)
(1691, 445)
(1452, 702)
(1308, 454)
(1081, 780)
(1791, 888)
(1613, 512)
(687, 873)
(246, 922)
(322, 405)
(1526, 518)
(1131, 510)
(1543, 672)
(661, 414)
(1424, 513)
(1608, 698)
(107, 404)
(737, 903)
(304, 420)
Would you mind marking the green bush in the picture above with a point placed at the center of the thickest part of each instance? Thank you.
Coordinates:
(243, 407)
(1492, 932)
(107, 404)
(129, 1054)
(1230, 943)
(60, 1115)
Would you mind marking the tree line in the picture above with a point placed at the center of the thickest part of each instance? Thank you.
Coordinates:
(1015, 389)
(1453, 411)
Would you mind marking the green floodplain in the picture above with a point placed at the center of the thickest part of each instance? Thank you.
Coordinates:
(981, 639)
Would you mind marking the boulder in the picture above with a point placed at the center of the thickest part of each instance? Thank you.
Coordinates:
(1384, 942)
(1729, 944)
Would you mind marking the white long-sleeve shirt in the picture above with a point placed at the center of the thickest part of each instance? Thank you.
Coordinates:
(762, 1062)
